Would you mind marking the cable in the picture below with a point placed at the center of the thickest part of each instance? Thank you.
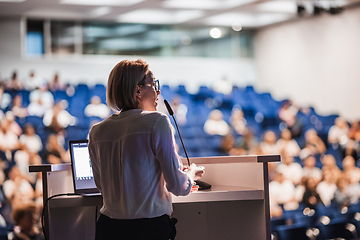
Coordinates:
(43, 211)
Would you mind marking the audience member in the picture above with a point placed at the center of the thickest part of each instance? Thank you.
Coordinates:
(268, 145)
(180, 110)
(55, 84)
(290, 170)
(17, 189)
(57, 118)
(288, 144)
(54, 152)
(327, 187)
(313, 144)
(347, 192)
(237, 121)
(13, 83)
(25, 216)
(215, 124)
(40, 100)
(33, 82)
(13, 125)
(96, 108)
(5, 100)
(311, 198)
(17, 109)
(227, 144)
(247, 143)
(310, 169)
(223, 86)
(288, 114)
(350, 170)
(329, 164)
(282, 191)
(8, 140)
(338, 133)
(354, 132)
(31, 139)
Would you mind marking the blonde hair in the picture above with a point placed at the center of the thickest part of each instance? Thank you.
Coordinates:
(122, 83)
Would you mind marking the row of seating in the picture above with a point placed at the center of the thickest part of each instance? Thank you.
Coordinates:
(320, 223)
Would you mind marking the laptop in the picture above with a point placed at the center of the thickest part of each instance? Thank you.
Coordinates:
(83, 178)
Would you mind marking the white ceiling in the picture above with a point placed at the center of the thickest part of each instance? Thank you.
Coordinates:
(246, 13)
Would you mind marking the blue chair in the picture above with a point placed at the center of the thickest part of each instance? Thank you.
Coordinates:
(292, 232)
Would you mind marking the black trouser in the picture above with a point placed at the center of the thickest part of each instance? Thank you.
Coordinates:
(159, 228)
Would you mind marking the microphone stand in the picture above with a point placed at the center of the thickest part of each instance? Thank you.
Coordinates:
(202, 185)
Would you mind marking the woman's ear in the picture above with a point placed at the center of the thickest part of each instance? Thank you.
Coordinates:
(138, 92)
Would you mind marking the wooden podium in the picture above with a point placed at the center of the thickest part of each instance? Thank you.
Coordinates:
(236, 206)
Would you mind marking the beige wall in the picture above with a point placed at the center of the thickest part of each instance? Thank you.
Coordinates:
(314, 61)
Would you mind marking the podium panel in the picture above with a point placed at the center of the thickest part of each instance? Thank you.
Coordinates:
(236, 206)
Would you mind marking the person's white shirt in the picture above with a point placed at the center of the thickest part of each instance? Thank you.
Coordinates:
(315, 173)
(216, 127)
(148, 177)
(33, 143)
(97, 110)
(46, 98)
(292, 172)
(64, 118)
(326, 192)
(283, 192)
(291, 147)
(24, 188)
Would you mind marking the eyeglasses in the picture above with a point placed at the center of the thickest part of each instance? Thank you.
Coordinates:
(156, 85)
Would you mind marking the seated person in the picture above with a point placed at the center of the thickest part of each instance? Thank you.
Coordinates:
(96, 108)
(282, 191)
(57, 118)
(237, 121)
(180, 110)
(40, 101)
(17, 108)
(313, 144)
(311, 198)
(329, 164)
(327, 187)
(17, 188)
(288, 114)
(291, 170)
(268, 145)
(288, 144)
(31, 139)
(344, 194)
(350, 170)
(13, 83)
(215, 124)
(338, 133)
(54, 152)
(309, 169)
(25, 216)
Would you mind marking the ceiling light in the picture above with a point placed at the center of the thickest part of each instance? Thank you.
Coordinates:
(236, 27)
(186, 40)
(100, 11)
(204, 4)
(101, 2)
(12, 1)
(277, 6)
(215, 33)
(154, 16)
(247, 19)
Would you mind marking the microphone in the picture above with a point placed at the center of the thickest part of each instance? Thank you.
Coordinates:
(202, 185)
(171, 112)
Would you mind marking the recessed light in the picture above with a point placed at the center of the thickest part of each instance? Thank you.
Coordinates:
(215, 33)
(156, 16)
(101, 2)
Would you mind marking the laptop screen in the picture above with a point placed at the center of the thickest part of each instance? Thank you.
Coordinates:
(81, 167)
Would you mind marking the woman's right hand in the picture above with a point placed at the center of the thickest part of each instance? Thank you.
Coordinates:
(195, 172)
